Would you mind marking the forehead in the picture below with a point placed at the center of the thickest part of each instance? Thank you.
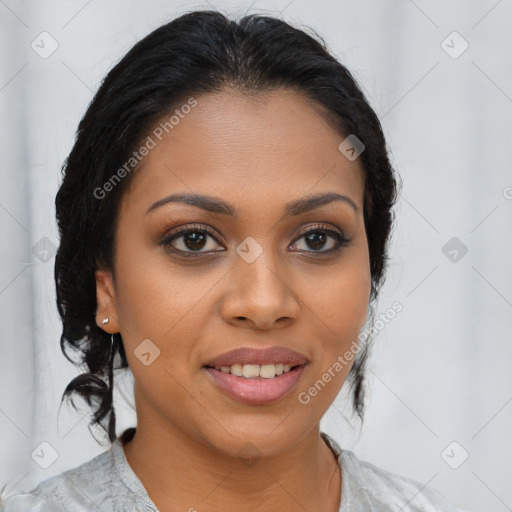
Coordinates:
(276, 145)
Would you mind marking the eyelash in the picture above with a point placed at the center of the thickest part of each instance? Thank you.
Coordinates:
(341, 240)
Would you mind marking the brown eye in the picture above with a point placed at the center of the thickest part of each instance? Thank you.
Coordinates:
(316, 239)
(194, 240)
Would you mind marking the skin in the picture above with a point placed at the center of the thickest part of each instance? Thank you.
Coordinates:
(256, 153)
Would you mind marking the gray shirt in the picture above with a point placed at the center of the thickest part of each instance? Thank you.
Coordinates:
(107, 483)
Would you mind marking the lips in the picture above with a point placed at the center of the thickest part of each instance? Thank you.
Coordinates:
(256, 391)
(271, 355)
(234, 373)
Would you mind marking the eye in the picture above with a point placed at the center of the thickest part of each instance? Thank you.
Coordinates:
(317, 237)
(194, 238)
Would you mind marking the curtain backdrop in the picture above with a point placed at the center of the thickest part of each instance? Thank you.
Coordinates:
(439, 75)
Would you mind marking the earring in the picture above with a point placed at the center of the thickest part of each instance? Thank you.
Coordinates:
(105, 321)
(112, 419)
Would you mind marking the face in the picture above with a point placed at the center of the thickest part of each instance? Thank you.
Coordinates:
(252, 272)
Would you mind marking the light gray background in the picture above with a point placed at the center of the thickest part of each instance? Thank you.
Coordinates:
(440, 371)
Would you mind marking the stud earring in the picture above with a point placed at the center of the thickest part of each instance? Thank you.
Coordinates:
(105, 321)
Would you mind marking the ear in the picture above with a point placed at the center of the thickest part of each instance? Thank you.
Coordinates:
(106, 302)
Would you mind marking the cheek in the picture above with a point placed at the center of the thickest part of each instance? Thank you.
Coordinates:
(342, 297)
(164, 308)
(160, 301)
(340, 309)
(153, 293)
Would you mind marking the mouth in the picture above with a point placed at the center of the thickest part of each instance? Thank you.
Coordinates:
(256, 376)
(256, 390)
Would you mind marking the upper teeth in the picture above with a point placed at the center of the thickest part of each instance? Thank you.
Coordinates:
(267, 371)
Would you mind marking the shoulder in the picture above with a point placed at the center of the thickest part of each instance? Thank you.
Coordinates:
(75, 490)
(370, 487)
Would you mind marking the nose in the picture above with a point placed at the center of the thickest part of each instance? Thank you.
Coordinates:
(260, 294)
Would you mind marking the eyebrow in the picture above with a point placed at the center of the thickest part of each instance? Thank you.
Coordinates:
(216, 205)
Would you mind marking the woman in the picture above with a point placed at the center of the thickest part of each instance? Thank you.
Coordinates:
(224, 218)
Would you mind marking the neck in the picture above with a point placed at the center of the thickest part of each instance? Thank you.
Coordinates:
(181, 472)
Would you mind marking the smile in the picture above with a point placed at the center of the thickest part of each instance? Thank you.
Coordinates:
(246, 384)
